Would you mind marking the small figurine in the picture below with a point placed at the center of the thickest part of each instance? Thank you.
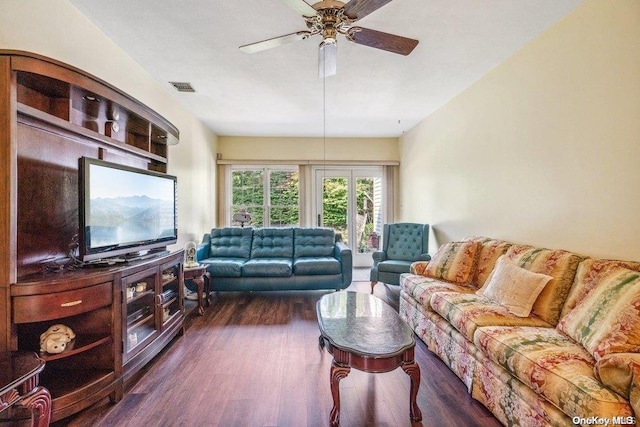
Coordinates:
(54, 340)
(242, 216)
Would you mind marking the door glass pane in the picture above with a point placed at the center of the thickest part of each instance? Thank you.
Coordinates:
(248, 192)
(283, 198)
(369, 214)
(334, 205)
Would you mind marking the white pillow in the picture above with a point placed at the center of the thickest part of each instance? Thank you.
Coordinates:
(513, 287)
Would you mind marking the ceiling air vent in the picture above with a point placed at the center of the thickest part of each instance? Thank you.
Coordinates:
(183, 86)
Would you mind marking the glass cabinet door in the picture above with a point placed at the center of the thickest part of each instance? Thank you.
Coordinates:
(170, 297)
(140, 324)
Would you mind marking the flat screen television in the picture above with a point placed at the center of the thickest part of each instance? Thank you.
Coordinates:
(124, 210)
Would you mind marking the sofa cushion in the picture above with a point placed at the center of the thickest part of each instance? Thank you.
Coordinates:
(313, 242)
(231, 242)
(587, 276)
(394, 266)
(224, 267)
(421, 288)
(621, 373)
(607, 320)
(488, 254)
(309, 266)
(559, 264)
(454, 262)
(467, 312)
(272, 243)
(554, 366)
(267, 267)
(513, 287)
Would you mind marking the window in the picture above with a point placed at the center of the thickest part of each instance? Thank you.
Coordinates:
(269, 194)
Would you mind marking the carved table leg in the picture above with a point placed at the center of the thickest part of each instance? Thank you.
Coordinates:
(199, 281)
(338, 372)
(413, 370)
(207, 288)
(39, 402)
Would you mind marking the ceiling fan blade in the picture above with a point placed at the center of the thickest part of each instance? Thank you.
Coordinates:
(300, 6)
(327, 58)
(274, 42)
(384, 41)
(358, 9)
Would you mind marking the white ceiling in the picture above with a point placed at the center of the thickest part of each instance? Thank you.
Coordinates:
(277, 92)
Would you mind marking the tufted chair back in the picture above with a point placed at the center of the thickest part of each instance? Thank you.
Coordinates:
(405, 241)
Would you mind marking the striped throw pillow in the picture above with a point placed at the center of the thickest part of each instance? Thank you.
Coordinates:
(454, 262)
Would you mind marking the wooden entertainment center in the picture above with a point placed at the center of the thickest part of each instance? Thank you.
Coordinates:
(51, 115)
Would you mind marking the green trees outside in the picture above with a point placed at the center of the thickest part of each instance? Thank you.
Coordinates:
(334, 204)
(248, 190)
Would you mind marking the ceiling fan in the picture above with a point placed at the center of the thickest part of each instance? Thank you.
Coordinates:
(330, 18)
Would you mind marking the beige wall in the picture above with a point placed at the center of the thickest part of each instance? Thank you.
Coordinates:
(57, 30)
(545, 148)
(311, 149)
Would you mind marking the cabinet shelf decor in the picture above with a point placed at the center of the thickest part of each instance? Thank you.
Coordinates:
(51, 115)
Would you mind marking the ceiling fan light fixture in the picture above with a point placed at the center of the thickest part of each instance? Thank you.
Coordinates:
(327, 57)
(330, 18)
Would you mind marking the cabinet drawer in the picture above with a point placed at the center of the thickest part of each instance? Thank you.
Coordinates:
(37, 308)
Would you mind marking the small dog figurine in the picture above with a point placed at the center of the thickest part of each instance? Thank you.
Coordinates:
(54, 340)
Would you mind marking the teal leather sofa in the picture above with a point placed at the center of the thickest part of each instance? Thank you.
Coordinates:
(264, 259)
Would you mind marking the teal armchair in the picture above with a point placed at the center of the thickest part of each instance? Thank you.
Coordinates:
(402, 244)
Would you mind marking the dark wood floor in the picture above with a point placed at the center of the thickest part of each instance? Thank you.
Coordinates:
(253, 360)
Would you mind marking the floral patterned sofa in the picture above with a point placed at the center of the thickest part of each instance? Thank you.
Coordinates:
(539, 336)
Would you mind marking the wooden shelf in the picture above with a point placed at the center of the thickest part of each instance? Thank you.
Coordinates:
(74, 382)
(88, 133)
(78, 345)
(169, 302)
(52, 115)
(100, 112)
(139, 295)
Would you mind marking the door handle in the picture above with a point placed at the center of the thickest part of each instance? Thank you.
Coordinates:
(319, 220)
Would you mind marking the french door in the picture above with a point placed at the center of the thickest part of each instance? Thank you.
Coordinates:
(350, 202)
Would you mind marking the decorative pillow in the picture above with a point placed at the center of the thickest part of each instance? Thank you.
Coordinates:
(488, 253)
(453, 262)
(607, 320)
(557, 263)
(587, 276)
(513, 287)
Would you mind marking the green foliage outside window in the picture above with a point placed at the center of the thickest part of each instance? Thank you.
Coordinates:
(248, 190)
(283, 204)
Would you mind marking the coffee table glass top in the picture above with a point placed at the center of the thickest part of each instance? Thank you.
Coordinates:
(363, 324)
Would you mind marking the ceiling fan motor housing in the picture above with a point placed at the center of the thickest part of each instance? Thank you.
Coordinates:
(330, 18)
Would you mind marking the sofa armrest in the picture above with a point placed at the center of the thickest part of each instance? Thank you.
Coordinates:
(418, 267)
(343, 254)
(202, 250)
(621, 373)
(424, 257)
(378, 257)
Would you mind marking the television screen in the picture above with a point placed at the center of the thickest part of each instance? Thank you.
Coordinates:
(124, 209)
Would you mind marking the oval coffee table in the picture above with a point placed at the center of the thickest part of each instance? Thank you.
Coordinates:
(364, 333)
